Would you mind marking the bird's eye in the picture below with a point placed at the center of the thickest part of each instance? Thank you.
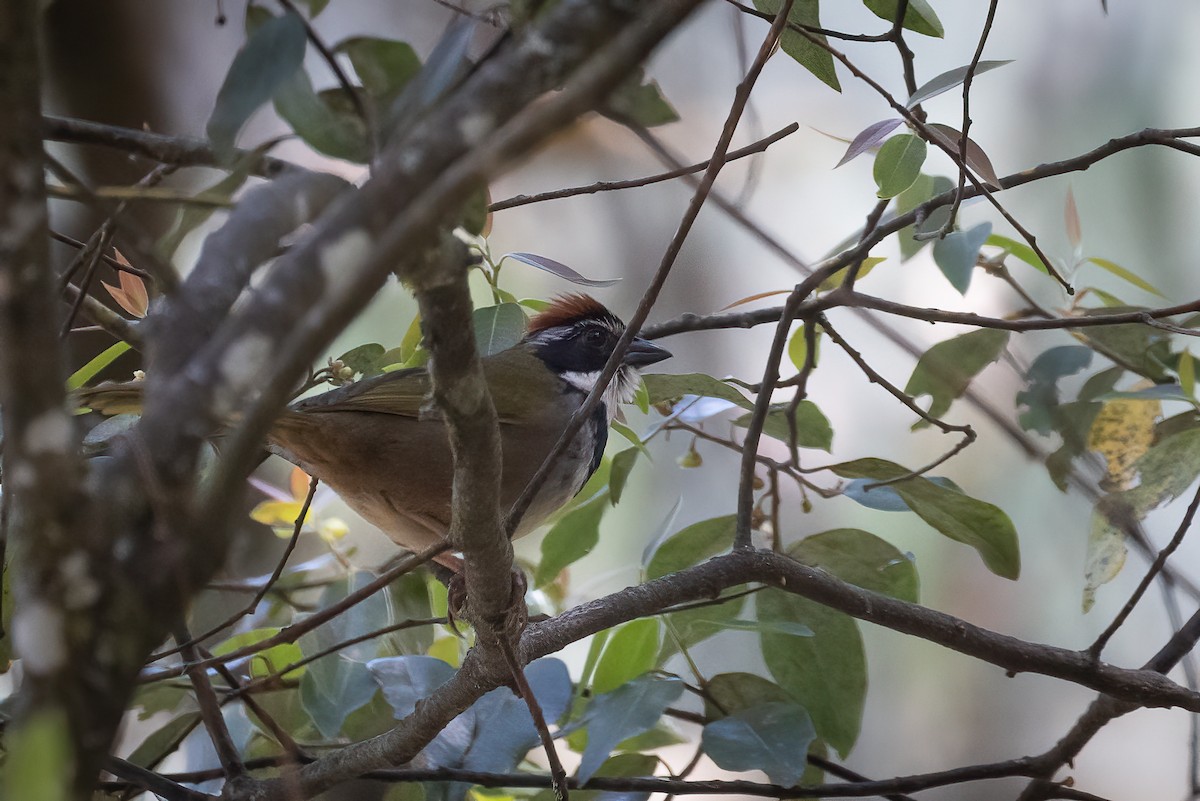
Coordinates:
(594, 336)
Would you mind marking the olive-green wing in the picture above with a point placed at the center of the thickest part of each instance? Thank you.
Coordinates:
(401, 393)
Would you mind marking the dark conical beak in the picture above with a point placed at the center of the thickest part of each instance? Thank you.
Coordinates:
(643, 352)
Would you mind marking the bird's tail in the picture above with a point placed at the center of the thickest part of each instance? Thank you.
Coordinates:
(112, 398)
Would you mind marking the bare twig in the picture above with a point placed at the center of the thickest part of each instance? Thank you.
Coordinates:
(210, 707)
(297, 527)
(1155, 568)
(609, 186)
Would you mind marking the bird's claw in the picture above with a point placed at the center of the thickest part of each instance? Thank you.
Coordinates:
(515, 619)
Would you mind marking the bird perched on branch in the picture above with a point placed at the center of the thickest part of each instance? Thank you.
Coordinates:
(376, 443)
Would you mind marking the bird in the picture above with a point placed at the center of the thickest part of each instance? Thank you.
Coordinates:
(378, 445)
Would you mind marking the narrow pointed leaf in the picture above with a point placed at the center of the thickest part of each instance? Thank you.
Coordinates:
(96, 364)
(811, 56)
(1126, 275)
(919, 17)
(271, 55)
(977, 160)
(948, 80)
(868, 138)
(1020, 250)
(561, 270)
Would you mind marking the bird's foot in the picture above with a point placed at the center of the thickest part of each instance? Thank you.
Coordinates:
(515, 619)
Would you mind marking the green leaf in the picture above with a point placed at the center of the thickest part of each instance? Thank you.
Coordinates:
(314, 7)
(811, 56)
(475, 221)
(616, 716)
(772, 737)
(1121, 272)
(384, 66)
(631, 651)
(619, 766)
(409, 596)
(812, 427)
(412, 339)
(1040, 396)
(641, 102)
(827, 672)
(572, 538)
(898, 164)
(39, 759)
(945, 370)
(729, 693)
(1165, 472)
(919, 17)
(948, 80)
(273, 53)
(956, 515)
(692, 545)
(691, 626)
(95, 365)
(163, 741)
(922, 189)
(327, 121)
(336, 685)
(664, 388)
(956, 253)
(798, 347)
(498, 328)
(630, 435)
(1018, 249)
(1135, 346)
(622, 464)
(860, 558)
(1186, 371)
(1105, 555)
(267, 661)
(365, 359)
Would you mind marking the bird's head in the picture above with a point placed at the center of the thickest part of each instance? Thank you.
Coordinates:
(576, 334)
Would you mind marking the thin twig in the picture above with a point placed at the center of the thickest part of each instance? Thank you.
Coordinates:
(1155, 568)
(109, 260)
(716, 162)
(136, 776)
(282, 736)
(293, 632)
(609, 186)
(297, 527)
(558, 775)
(210, 707)
(352, 91)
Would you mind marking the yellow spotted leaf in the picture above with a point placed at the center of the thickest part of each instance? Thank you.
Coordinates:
(1105, 556)
(1122, 433)
(276, 513)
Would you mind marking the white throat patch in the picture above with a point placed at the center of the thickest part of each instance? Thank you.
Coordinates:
(620, 390)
